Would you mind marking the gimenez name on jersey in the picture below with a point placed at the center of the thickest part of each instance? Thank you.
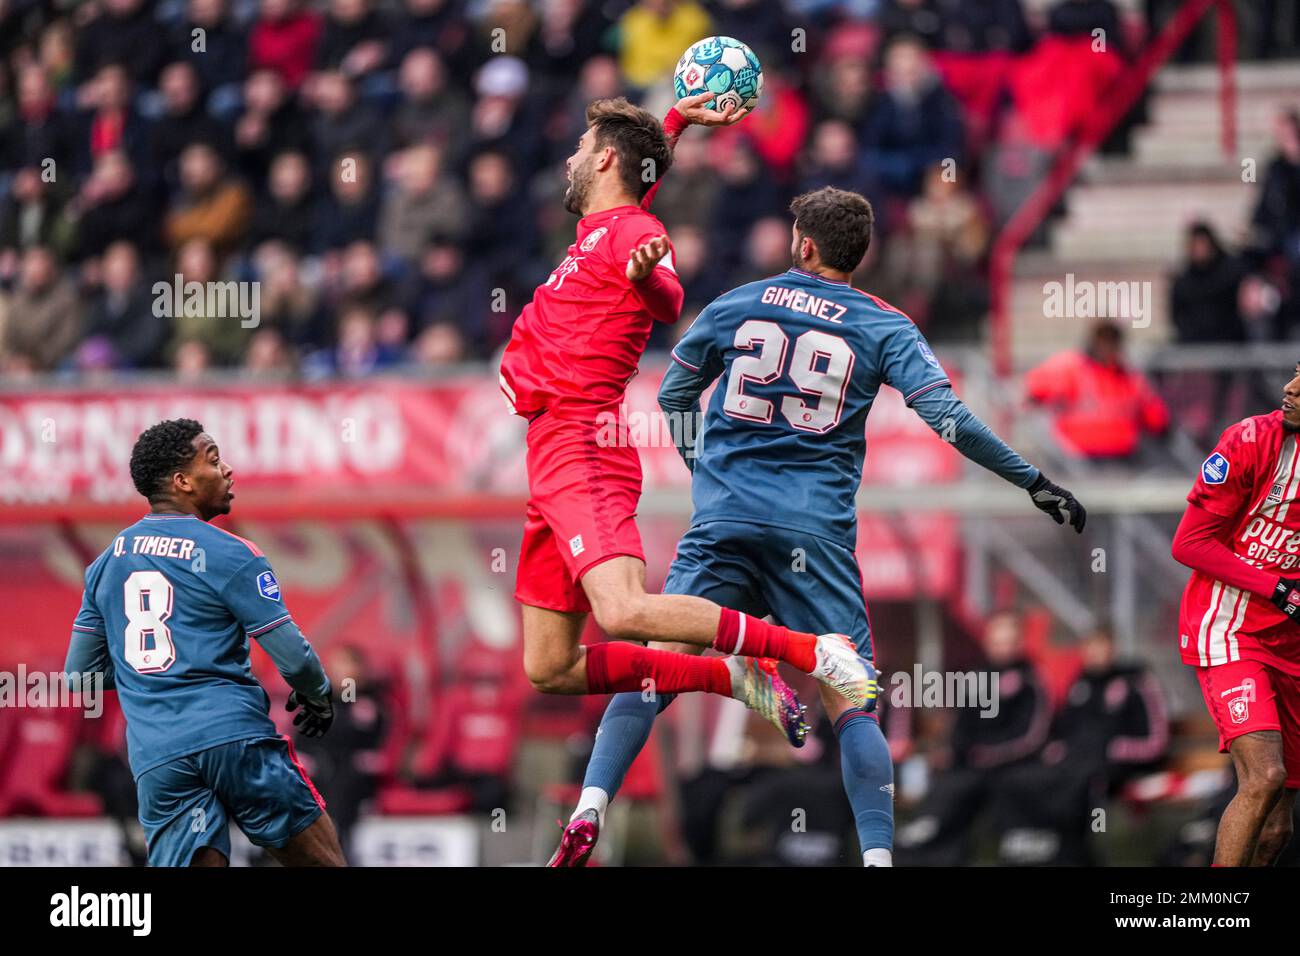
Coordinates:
(803, 302)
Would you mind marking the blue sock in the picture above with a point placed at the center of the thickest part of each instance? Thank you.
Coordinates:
(868, 778)
(623, 732)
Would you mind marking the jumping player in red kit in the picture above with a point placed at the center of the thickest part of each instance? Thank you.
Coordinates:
(1240, 620)
(570, 356)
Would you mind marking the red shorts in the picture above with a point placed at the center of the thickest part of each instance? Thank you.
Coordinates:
(1246, 696)
(583, 494)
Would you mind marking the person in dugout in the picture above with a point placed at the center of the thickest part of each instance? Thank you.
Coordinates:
(985, 744)
(1111, 729)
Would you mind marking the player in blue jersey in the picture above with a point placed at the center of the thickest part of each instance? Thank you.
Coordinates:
(166, 618)
(775, 473)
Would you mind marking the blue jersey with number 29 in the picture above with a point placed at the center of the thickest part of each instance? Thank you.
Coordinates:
(801, 359)
(172, 604)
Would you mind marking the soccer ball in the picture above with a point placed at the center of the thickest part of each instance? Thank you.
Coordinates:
(722, 66)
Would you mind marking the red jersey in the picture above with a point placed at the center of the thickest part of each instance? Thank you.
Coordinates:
(1252, 479)
(576, 345)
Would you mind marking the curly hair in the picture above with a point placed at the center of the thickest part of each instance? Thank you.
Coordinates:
(839, 222)
(160, 452)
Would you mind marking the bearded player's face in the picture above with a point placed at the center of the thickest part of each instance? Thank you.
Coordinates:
(1291, 402)
(580, 169)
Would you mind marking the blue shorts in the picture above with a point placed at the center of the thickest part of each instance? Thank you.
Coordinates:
(186, 803)
(805, 582)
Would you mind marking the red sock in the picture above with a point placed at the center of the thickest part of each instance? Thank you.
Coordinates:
(614, 667)
(741, 634)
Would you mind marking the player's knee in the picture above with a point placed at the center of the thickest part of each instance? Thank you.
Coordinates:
(545, 676)
(1264, 781)
(621, 608)
(621, 620)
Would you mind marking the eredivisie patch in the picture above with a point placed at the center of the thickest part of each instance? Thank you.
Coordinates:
(268, 586)
(1214, 470)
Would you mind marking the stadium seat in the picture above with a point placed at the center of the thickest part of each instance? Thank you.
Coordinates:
(39, 746)
(472, 733)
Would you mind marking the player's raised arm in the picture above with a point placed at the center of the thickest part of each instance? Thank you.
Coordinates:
(912, 368)
(693, 111)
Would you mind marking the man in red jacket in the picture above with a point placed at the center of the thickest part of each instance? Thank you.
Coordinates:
(1240, 620)
(1102, 407)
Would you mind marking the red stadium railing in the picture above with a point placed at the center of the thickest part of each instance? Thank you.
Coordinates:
(1114, 107)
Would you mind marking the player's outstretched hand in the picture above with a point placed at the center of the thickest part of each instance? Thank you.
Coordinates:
(645, 257)
(1054, 500)
(1286, 597)
(316, 717)
(695, 109)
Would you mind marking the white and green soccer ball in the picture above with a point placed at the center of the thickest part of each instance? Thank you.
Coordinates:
(722, 66)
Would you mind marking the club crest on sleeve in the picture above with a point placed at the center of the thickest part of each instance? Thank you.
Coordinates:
(1215, 469)
(268, 586)
(928, 354)
(596, 235)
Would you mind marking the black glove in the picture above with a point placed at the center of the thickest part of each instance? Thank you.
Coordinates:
(1286, 598)
(316, 717)
(1054, 500)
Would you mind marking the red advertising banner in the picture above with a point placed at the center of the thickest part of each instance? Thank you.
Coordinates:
(408, 447)
(287, 443)
(371, 497)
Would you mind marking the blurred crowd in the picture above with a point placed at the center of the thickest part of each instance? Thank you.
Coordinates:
(1247, 287)
(389, 171)
(1227, 291)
